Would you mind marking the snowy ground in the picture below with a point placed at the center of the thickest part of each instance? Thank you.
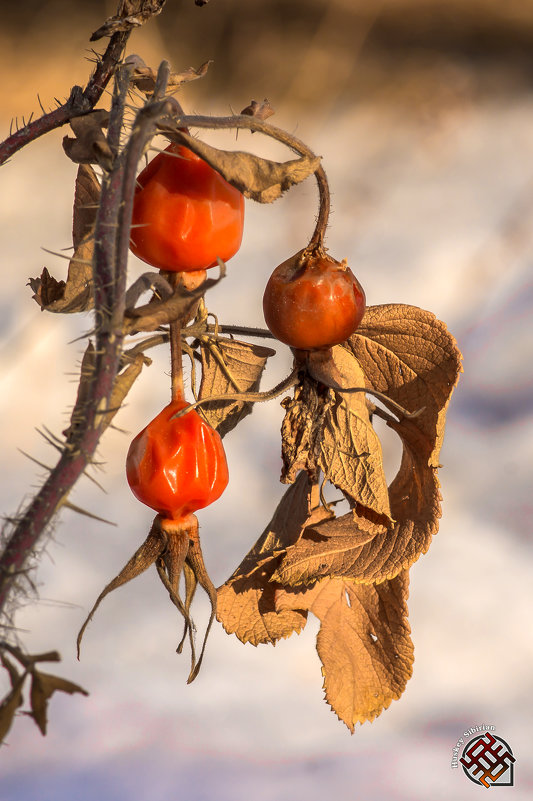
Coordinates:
(434, 213)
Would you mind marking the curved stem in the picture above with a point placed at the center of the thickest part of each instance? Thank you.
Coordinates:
(246, 397)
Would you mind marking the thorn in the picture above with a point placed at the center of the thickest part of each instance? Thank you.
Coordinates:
(86, 513)
(33, 459)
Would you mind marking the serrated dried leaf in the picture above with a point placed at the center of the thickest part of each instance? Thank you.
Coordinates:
(246, 608)
(415, 505)
(230, 366)
(351, 456)
(298, 507)
(246, 601)
(86, 200)
(408, 354)
(330, 431)
(326, 548)
(43, 686)
(257, 178)
(364, 642)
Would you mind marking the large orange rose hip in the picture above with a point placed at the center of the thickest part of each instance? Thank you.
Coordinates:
(185, 215)
(177, 466)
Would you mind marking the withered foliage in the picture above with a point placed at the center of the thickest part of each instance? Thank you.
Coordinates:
(74, 294)
(257, 178)
(351, 571)
(42, 687)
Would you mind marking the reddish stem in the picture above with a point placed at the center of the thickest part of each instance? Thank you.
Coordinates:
(80, 101)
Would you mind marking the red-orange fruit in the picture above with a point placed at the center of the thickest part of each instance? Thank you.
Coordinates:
(312, 301)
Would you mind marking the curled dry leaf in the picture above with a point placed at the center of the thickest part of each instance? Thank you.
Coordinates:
(132, 14)
(182, 305)
(410, 356)
(90, 145)
(144, 77)
(257, 178)
(331, 432)
(230, 366)
(13, 699)
(43, 686)
(74, 295)
(364, 642)
(245, 605)
(326, 548)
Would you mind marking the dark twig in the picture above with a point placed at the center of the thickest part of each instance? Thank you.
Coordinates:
(109, 274)
(80, 101)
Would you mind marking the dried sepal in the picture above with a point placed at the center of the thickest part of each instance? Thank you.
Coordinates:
(173, 546)
(142, 559)
(181, 305)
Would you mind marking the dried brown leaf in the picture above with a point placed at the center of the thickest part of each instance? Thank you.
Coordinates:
(246, 608)
(8, 708)
(230, 366)
(326, 548)
(298, 507)
(415, 506)
(43, 686)
(86, 200)
(90, 145)
(74, 295)
(144, 77)
(257, 178)
(364, 642)
(408, 354)
(132, 14)
(331, 432)
(246, 601)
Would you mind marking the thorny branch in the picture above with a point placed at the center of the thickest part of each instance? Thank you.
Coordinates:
(109, 276)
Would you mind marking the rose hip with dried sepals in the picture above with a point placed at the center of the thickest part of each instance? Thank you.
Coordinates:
(312, 301)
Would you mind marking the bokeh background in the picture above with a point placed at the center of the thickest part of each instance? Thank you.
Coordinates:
(423, 113)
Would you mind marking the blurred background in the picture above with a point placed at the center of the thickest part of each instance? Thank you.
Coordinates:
(422, 111)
